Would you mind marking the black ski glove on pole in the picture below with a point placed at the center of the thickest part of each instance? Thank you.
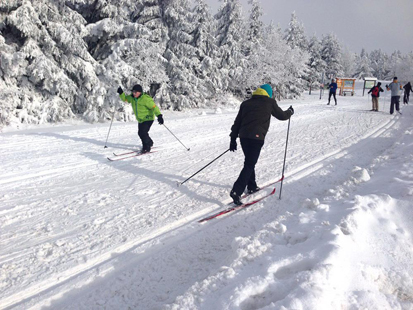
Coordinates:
(160, 119)
(120, 90)
(291, 110)
(233, 145)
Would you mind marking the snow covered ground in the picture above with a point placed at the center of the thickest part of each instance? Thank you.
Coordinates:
(80, 232)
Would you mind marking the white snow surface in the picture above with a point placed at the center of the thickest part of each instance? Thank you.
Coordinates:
(80, 232)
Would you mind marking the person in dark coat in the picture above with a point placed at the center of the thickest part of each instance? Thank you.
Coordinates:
(407, 90)
(333, 89)
(251, 125)
(375, 94)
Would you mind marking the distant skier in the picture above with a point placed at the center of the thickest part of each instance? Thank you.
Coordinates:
(251, 125)
(395, 88)
(145, 111)
(375, 94)
(407, 90)
(333, 89)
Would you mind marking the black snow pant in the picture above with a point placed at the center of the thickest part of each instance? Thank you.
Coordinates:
(332, 94)
(144, 134)
(395, 100)
(251, 149)
(406, 97)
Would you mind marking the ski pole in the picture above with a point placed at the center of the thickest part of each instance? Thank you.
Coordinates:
(176, 138)
(285, 155)
(202, 168)
(110, 127)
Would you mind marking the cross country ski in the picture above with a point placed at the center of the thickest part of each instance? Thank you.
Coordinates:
(235, 207)
(130, 152)
(121, 157)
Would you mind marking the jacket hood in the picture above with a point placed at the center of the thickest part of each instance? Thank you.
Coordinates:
(260, 92)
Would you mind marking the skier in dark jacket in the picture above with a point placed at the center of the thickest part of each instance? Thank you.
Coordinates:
(333, 89)
(375, 94)
(407, 90)
(251, 126)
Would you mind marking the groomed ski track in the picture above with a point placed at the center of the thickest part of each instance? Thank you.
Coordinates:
(83, 217)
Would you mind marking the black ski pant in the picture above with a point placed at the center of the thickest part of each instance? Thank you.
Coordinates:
(406, 97)
(143, 133)
(251, 149)
(332, 94)
(395, 100)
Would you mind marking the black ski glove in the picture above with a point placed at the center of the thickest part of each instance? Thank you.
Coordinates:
(120, 90)
(160, 119)
(291, 110)
(233, 145)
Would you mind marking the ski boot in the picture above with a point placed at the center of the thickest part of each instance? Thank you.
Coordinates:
(145, 149)
(253, 190)
(236, 198)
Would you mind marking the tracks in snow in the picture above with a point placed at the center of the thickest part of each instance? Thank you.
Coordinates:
(86, 272)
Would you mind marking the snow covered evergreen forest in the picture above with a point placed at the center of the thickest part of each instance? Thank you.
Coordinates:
(65, 59)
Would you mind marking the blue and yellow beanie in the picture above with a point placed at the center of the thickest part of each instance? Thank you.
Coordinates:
(267, 88)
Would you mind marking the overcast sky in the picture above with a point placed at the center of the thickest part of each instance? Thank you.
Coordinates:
(372, 24)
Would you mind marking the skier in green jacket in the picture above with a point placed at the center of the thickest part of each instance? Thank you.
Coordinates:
(145, 111)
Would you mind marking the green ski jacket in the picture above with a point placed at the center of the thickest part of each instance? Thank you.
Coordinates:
(144, 107)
